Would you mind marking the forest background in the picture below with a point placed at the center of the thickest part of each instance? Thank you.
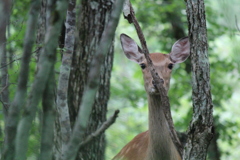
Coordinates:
(163, 22)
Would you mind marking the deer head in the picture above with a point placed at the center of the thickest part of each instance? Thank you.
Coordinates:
(163, 63)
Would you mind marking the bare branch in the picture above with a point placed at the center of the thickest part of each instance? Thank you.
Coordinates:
(6, 84)
(157, 80)
(20, 58)
(5, 65)
(102, 129)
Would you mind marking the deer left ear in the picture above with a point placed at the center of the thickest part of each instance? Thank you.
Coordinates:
(180, 50)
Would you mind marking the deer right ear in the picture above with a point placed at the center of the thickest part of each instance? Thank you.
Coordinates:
(180, 50)
(130, 48)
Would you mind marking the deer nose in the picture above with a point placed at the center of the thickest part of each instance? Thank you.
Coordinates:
(155, 84)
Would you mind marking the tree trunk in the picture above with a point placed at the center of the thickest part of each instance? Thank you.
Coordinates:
(93, 18)
(201, 128)
(4, 19)
(178, 32)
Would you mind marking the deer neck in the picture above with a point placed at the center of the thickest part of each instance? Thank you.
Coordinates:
(160, 144)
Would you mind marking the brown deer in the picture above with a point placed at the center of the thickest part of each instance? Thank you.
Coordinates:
(156, 143)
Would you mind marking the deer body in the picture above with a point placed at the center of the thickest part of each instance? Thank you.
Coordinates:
(156, 143)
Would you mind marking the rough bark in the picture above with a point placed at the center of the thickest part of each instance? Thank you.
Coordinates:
(42, 26)
(200, 131)
(178, 32)
(93, 19)
(62, 90)
(94, 16)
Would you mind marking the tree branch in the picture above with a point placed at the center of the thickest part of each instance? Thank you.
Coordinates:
(156, 78)
(100, 130)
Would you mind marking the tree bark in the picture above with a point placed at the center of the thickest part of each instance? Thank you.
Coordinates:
(63, 118)
(42, 26)
(200, 131)
(94, 17)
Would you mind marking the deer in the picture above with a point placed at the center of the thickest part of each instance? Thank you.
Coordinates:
(156, 142)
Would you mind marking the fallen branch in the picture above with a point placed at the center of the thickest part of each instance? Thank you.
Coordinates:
(102, 129)
(130, 16)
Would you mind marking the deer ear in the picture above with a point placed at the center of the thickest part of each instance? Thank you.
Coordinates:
(180, 50)
(131, 49)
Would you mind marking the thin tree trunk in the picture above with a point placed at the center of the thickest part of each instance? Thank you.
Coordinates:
(4, 93)
(62, 91)
(19, 99)
(46, 62)
(201, 128)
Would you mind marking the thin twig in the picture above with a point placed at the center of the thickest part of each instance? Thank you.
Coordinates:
(6, 84)
(156, 78)
(10, 62)
(17, 59)
(102, 129)
(4, 105)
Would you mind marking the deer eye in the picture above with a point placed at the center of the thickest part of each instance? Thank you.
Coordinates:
(143, 66)
(170, 66)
